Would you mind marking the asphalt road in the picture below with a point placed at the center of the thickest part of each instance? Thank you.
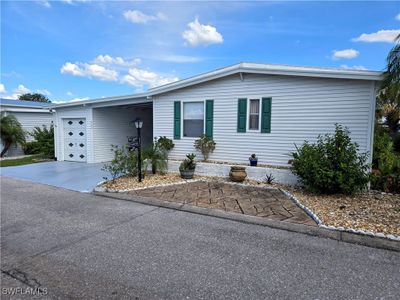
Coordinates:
(81, 246)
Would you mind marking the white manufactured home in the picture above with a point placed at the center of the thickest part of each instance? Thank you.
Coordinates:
(30, 114)
(246, 108)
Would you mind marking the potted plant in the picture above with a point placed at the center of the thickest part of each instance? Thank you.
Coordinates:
(253, 160)
(188, 166)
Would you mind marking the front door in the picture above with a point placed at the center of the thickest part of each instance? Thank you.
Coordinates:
(75, 139)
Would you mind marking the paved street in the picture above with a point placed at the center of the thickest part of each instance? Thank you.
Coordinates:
(78, 245)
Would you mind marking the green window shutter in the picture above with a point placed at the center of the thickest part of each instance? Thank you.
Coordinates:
(209, 118)
(242, 115)
(266, 115)
(177, 120)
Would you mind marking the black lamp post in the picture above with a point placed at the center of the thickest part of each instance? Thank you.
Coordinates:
(138, 124)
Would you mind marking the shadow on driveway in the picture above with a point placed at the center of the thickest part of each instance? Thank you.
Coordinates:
(81, 177)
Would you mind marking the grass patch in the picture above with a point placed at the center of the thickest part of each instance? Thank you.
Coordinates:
(23, 161)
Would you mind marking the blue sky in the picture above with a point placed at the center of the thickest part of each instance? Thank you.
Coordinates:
(73, 50)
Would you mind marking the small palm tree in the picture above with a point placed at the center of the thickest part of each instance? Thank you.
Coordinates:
(392, 73)
(11, 132)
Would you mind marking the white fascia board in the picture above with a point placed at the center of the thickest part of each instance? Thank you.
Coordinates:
(311, 71)
(114, 101)
(270, 70)
(30, 110)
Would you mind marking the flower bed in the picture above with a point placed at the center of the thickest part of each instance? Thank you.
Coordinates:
(150, 180)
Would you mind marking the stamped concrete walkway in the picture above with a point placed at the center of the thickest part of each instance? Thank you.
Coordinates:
(249, 200)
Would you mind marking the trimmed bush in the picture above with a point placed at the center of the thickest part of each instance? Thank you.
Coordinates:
(332, 165)
(205, 145)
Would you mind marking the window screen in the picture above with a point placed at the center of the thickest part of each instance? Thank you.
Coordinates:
(254, 114)
(193, 119)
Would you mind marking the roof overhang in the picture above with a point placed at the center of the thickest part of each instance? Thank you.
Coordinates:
(241, 68)
(269, 69)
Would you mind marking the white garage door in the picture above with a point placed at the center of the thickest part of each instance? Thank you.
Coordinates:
(75, 139)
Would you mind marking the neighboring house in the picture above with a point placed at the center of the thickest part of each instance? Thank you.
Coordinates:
(30, 114)
(247, 108)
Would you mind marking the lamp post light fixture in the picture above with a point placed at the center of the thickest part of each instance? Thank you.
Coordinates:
(138, 124)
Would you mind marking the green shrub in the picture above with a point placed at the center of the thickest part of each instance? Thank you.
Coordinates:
(332, 165)
(387, 177)
(124, 163)
(31, 148)
(118, 164)
(383, 146)
(44, 138)
(188, 163)
(165, 143)
(205, 145)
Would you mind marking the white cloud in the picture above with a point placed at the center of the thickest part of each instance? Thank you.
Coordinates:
(362, 68)
(138, 17)
(44, 3)
(386, 36)
(79, 99)
(346, 53)
(70, 94)
(109, 60)
(140, 77)
(2, 89)
(199, 34)
(397, 17)
(89, 70)
(74, 1)
(44, 92)
(179, 58)
(21, 89)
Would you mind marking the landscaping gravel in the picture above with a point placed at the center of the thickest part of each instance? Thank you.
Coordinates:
(370, 211)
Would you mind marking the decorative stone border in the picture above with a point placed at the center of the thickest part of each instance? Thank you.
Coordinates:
(303, 207)
(342, 229)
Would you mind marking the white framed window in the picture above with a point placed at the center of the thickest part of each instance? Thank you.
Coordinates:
(193, 119)
(254, 108)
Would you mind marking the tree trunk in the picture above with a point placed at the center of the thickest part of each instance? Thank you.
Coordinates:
(7, 146)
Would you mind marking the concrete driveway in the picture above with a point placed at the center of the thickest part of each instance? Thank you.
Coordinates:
(82, 246)
(74, 176)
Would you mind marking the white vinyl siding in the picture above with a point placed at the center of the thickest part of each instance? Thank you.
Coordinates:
(302, 108)
(29, 120)
(113, 126)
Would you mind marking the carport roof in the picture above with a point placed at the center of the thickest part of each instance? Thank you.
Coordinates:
(242, 68)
